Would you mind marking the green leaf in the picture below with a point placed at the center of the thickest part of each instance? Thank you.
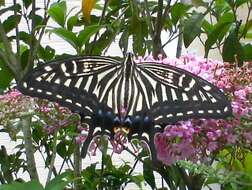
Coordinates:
(67, 35)
(11, 22)
(71, 22)
(24, 57)
(27, 3)
(198, 3)
(247, 49)
(219, 31)
(178, 10)
(231, 3)
(217, 34)
(123, 42)
(226, 18)
(248, 159)
(57, 12)
(249, 35)
(6, 76)
(65, 148)
(60, 181)
(85, 34)
(2, 3)
(246, 27)
(25, 37)
(38, 132)
(236, 165)
(211, 180)
(232, 49)
(238, 3)
(22, 186)
(38, 20)
(221, 7)
(16, 7)
(46, 53)
(62, 149)
(208, 28)
(192, 28)
(91, 177)
(137, 179)
(148, 173)
(138, 28)
(105, 39)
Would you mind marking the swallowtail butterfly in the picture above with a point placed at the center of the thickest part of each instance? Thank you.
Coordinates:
(110, 94)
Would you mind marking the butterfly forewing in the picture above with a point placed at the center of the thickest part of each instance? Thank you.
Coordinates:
(77, 83)
(179, 95)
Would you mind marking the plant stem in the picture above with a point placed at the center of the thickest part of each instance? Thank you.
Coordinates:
(17, 31)
(2, 181)
(156, 43)
(157, 166)
(33, 15)
(130, 172)
(180, 37)
(54, 151)
(151, 30)
(42, 155)
(180, 41)
(31, 165)
(102, 171)
(12, 62)
(34, 45)
(99, 23)
(77, 166)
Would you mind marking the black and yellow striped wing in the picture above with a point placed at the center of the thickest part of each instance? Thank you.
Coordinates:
(161, 93)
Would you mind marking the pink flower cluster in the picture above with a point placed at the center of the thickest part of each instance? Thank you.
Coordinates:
(12, 105)
(197, 140)
(11, 95)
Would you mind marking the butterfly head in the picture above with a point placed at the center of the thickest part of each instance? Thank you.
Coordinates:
(122, 122)
(129, 58)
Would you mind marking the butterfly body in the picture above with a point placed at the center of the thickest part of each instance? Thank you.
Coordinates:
(111, 94)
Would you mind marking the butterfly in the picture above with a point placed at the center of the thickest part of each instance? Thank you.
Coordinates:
(112, 94)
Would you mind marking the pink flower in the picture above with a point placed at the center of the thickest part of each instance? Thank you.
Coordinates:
(11, 95)
(82, 128)
(93, 147)
(239, 108)
(248, 136)
(231, 138)
(241, 94)
(80, 138)
(49, 129)
(211, 136)
(118, 142)
(163, 149)
(45, 109)
(212, 146)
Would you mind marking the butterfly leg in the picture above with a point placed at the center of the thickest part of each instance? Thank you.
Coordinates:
(87, 142)
(147, 134)
(91, 135)
(153, 152)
